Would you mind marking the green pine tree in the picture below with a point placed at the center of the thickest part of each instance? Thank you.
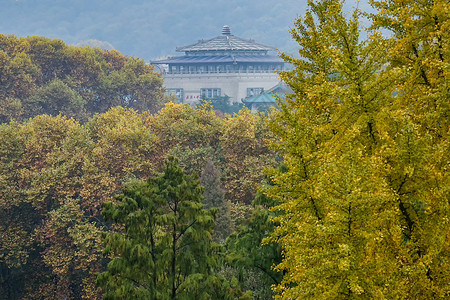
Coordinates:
(165, 250)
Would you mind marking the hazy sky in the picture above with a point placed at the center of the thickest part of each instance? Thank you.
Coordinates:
(153, 28)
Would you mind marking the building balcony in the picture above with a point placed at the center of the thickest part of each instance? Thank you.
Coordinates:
(186, 72)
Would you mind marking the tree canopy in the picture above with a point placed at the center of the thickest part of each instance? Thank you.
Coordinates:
(55, 175)
(365, 139)
(44, 76)
(165, 250)
(358, 210)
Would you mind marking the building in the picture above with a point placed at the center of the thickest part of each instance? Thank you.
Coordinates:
(226, 65)
(268, 98)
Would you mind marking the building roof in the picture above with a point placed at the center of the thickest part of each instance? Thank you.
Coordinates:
(262, 98)
(225, 42)
(281, 89)
(221, 59)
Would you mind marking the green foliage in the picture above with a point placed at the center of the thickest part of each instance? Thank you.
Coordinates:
(214, 197)
(251, 256)
(55, 98)
(47, 76)
(55, 174)
(186, 126)
(364, 137)
(237, 142)
(191, 134)
(222, 104)
(165, 250)
(44, 228)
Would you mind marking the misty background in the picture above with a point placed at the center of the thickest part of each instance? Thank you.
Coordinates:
(153, 29)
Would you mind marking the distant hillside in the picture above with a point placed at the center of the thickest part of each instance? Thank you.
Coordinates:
(150, 29)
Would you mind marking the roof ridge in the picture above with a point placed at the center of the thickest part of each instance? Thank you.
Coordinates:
(254, 42)
(225, 42)
(193, 44)
(228, 40)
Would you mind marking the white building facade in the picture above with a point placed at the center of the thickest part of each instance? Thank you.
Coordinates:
(222, 66)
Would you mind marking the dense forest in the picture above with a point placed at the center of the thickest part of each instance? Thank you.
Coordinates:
(40, 75)
(56, 174)
(107, 190)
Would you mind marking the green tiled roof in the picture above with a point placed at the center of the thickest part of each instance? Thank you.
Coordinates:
(269, 96)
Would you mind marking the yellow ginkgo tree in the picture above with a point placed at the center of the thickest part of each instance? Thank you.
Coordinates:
(365, 138)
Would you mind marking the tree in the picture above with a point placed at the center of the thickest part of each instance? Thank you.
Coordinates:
(420, 57)
(364, 187)
(42, 75)
(48, 243)
(20, 76)
(10, 109)
(55, 174)
(253, 257)
(165, 250)
(214, 197)
(55, 98)
(222, 103)
(244, 146)
(191, 134)
(122, 149)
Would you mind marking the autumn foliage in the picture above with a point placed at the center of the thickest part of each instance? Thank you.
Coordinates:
(358, 209)
(365, 137)
(55, 174)
(45, 76)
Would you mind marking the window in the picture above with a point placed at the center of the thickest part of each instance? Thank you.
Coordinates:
(210, 93)
(179, 94)
(254, 91)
